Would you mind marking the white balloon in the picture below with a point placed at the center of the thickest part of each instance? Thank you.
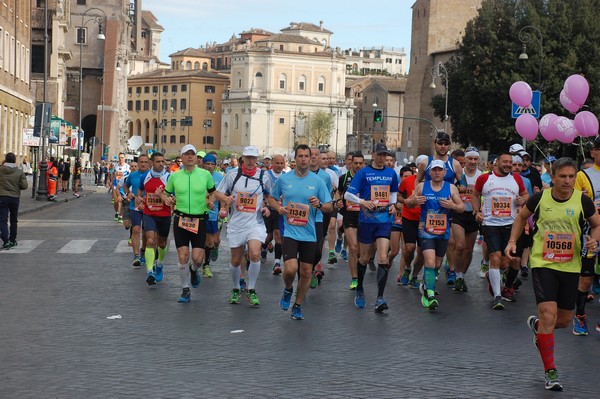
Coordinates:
(405, 161)
(411, 158)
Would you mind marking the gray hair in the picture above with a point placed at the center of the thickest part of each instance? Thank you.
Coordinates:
(562, 163)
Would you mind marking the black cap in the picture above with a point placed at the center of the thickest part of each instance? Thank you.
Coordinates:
(442, 136)
(380, 148)
(596, 142)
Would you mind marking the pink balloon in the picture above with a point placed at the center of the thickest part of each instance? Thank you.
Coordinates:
(566, 130)
(545, 123)
(586, 123)
(527, 126)
(521, 94)
(577, 89)
(568, 103)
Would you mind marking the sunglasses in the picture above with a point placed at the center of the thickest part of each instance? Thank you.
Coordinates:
(443, 142)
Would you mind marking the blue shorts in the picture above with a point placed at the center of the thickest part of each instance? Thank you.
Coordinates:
(136, 217)
(160, 224)
(369, 232)
(212, 227)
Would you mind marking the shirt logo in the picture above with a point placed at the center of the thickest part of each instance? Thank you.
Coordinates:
(310, 187)
(548, 209)
(570, 212)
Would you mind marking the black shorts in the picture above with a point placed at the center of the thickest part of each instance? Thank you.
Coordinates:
(467, 221)
(440, 246)
(272, 222)
(496, 237)
(350, 219)
(410, 231)
(183, 237)
(524, 241)
(304, 251)
(65, 177)
(550, 285)
(587, 266)
(334, 213)
(324, 224)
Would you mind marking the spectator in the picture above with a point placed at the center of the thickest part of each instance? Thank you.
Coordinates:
(12, 181)
(26, 167)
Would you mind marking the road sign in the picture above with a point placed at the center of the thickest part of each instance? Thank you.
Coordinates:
(533, 109)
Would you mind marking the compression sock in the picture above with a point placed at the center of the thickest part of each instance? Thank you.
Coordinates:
(580, 303)
(207, 255)
(236, 272)
(546, 346)
(184, 275)
(382, 275)
(278, 251)
(162, 252)
(253, 272)
(150, 256)
(362, 269)
(511, 275)
(429, 279)
(494, 275)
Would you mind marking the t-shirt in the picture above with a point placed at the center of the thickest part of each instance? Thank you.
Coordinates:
(213, 214)
(154, 206)
(407, 187)
(350, 208)
(327, 180)
(375, 185)
(190, 189)
(469, 183)
(499, 194)
(121, 172)
(133, 182)
(435, 219)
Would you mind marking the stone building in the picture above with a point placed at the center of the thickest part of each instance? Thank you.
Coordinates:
(376, 61)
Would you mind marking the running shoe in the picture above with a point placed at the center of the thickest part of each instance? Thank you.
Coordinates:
(158, 270)
(235, 296)
(116, 215)
(297, 312)
(206, 272)
(270, 247)
(483, 269)
(380, 305)
(532, 323)
(151, 278)
(433, 303)
(252, 298)
(214, 254)
(424, 296)
(524, 272)
(413, 283)
(6, 246)
(277, 267)
(489, 284)
(450, 277)
(498, 305)
(372, 264)
(314, 281)
(353, 283)
(517, 283)
(405, 278)
(143, 258)
(508, 294)
(136, 261)
(185, 296)
(460, 285)
(194, 277)
(120, 220)
(286, 298)
(338, 246)
(242, 284)
(552, 383)
(359, 299)
(319, 273)
(598, 326)
(580, 325)
(332, 258)
(263, 255)
(596, 286)
(344, 254)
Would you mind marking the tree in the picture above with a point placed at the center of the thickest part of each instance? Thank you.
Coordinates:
(321, 126)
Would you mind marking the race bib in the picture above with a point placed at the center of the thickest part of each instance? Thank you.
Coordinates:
(189, 224)
(297, 214)
(398, 218)
(502, 207)
(558, 247)
(119, 175)
(352, 206)
(466, 196)
(380, 195)
(436, 223)
(246, 202)
(154, 202)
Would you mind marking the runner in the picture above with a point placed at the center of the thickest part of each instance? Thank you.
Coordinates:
(396, 234)
(187, 190)
(273, 220)
(558, 234)
(132, 185)
(120, 172)
(213, 233)
(441, 144)
(375, 188)
(302, 193)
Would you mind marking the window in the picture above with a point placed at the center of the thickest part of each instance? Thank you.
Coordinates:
(301, 86)
(209, 104)
(138, 91)
(165, 105)
(163, 123)
(41, 3)
(302, 83)
(129, 105)
(173, 123)
(281, 47)
(207, 123)
(144, 34)
(154, 105)
(209, 89)
(138, 105)
(183, 104)
(299, 49)
(165, 89)
(146, 105)
(208, 140)
(388, 60)
(321, 84)
(129, 91)
(258, 75)
(183, 88)
(173, 105)
(282, 81)
(80, 2)
(281, 121)
(204, 66)
(163, 139)
(81, 37)
(196, 65)
(37, 57)
(182, 139)
(155, 90)
(174, 89)
(172, 139)
(236, 122)
(321, 87)
(188, 65)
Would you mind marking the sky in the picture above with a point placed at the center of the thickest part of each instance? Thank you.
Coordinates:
(355, 24)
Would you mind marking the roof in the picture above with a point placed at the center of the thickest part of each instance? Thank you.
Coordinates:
(288, 39)
(256, 31)
(391, 84)
(159, 73)
(307, 27)
(150, 20)
(191, 52)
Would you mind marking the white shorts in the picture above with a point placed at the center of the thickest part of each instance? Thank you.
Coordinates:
(238, 239)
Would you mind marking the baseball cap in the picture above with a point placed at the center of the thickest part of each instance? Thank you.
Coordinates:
(250, 151)
(442, 136)
(596, 142)
(420, 159)
(201, 154)
(188, 147)
(492, 158)
(381, 148)
(517, 159)
(550, 159)
(210, 158)
(524, 154)
(267, 157)
(436, 163)
(516, 148)
(226, 162)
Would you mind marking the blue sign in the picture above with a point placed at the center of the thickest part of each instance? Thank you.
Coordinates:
(533, 109)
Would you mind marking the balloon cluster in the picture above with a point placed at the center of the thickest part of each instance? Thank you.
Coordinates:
(552, 127)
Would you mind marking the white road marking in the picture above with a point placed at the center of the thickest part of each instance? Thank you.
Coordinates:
(77, 247)
(25, 246)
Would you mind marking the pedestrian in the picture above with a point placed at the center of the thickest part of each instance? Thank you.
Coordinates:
(66, 176)
(558, 237)
(12, 181)
(26, 166)
(76, 177)
(52, 179)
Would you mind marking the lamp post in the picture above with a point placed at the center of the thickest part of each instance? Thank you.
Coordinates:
(98, 19)
(441, 71)
(525, 37)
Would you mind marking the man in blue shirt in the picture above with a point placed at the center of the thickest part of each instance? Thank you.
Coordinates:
(213, 235)
(132, 184)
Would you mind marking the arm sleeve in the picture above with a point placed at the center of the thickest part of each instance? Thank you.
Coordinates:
(393, 197)
(533, 201)
(351, 197)
(589, 208)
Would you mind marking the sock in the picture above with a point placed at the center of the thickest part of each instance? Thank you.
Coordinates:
(485, 262)
(184, 275)
(362, 269)
(546, 345)
(460, 275)
(235, 276)
(207, 256)
(580, 303)
(332, 252)
(382, 275)
(162, 252)
(253, 272)
(265, 245)
(511, 275)
(429, 279)
(149, 253)
(278, 251)
(495, 281)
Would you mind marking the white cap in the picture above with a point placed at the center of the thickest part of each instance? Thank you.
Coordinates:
(517, 159)
(437, 163)
(267, 157)
(516, 148)
(420, 159)
(226, 162)
(188, 147)
(250, 151)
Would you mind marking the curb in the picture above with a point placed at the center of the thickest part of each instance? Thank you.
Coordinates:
(46, 204)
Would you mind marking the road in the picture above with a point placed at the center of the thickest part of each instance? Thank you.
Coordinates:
(71, 273)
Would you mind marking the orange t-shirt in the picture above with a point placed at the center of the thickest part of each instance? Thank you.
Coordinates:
(406, 188)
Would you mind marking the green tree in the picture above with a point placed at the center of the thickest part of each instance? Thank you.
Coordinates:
(320, 125)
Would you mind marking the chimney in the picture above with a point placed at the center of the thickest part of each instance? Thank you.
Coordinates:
(321, 24)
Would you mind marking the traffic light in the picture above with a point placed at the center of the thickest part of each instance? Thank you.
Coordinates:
(377, 115)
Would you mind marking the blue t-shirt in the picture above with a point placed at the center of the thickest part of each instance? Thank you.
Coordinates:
(546, 178)
(294, 191)
(370, 180)
(133, 182)
(213, 215)
(433, 216)
(327, 180)
(450, 175)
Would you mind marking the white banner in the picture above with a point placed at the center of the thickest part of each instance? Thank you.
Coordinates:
(29, 139)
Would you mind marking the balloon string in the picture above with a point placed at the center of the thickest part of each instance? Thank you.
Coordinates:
(539, 149)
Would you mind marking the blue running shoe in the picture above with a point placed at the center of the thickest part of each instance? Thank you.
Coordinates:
(286, 299)
(405, 278)
(596, 286)
(359, 299)
(143, 260)
(242, 284)
(185, 296)
(338, 246)
(580, 325)
(344, 254)
(151, 278)
(158, 271)
(380, 305)
(297, 312)
(450, 277)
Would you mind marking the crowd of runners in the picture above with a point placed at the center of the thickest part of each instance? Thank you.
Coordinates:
(425, 216)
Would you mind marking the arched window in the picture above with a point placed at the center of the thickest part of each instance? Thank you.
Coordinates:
(321, 84)
(188, 65)
(236, 121)
(282, 81)
(172, 139)
(182, 139)
(205, 66)
(259, 75)
(196, 65)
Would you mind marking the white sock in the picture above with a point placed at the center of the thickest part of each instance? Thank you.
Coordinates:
(495, 281)
(253, 271)
(235, 275)
(460, 275)
(184, 275)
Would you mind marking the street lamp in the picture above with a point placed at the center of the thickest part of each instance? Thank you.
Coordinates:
(525, 37)
(98, 19)
(441, 71)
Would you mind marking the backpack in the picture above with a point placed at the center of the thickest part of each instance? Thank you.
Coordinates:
(239, 174)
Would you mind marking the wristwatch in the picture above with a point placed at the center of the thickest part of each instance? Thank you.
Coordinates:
(320, 205)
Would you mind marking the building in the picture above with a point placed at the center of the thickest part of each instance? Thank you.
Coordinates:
(376, 61)
(220, 54)
(144, 55)
(279, 84)
(161, 103)
(16, 103)
(437, 27)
